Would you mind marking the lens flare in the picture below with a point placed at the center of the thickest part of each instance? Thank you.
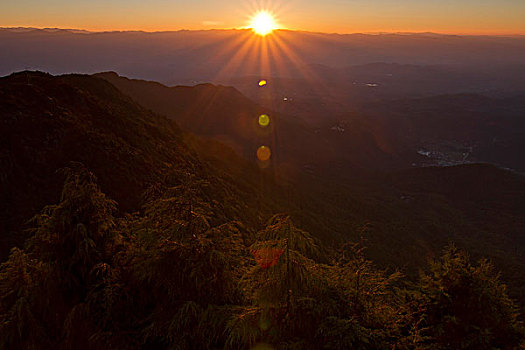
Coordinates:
(264, 120)
(267, 257)
(263, 82)
(264, 153)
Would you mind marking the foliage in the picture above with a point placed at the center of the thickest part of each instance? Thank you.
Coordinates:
(187, 260)
(467, 306)
(167, 278)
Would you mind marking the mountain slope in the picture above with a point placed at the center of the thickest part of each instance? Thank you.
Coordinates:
(338, 192)
(225, 114)
(48, 122)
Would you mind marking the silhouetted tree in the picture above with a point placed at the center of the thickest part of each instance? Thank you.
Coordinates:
(467, 306)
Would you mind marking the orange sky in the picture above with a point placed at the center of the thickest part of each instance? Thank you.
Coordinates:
(341, 16)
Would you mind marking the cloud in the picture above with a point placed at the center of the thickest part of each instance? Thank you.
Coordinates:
(212, 23)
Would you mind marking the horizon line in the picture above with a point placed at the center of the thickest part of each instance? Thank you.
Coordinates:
(88, 31)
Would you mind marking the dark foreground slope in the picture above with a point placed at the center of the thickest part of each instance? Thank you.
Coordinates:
(48, 122)
(153, 238)
(51, 121)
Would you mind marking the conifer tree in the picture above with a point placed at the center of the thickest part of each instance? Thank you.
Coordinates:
(467, 306)
(282, 277)
(70, 241)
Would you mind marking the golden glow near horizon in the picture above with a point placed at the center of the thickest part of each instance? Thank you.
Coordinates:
(263, 23)
(503, 17)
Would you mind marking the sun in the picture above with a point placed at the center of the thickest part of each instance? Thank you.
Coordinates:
(263, 23)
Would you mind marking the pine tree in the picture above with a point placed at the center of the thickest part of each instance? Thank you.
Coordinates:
(283, 276)
(467, 306)
(70, 244)
(370, 311)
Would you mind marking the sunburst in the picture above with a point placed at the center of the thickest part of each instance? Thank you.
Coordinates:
(263, 23)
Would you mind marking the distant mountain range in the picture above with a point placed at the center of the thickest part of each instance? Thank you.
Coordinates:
(390, 92)
(216, 55)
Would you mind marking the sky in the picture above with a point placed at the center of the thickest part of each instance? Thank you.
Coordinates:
(339, 16)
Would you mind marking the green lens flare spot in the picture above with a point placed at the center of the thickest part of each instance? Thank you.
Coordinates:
(264, 120)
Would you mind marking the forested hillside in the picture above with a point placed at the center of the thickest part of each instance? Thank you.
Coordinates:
(348, 178)
(50, 121)
(124, 231)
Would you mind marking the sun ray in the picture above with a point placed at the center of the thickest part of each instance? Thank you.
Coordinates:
(238, 58)
(266, 56)
(313, 79)
(235, 51)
